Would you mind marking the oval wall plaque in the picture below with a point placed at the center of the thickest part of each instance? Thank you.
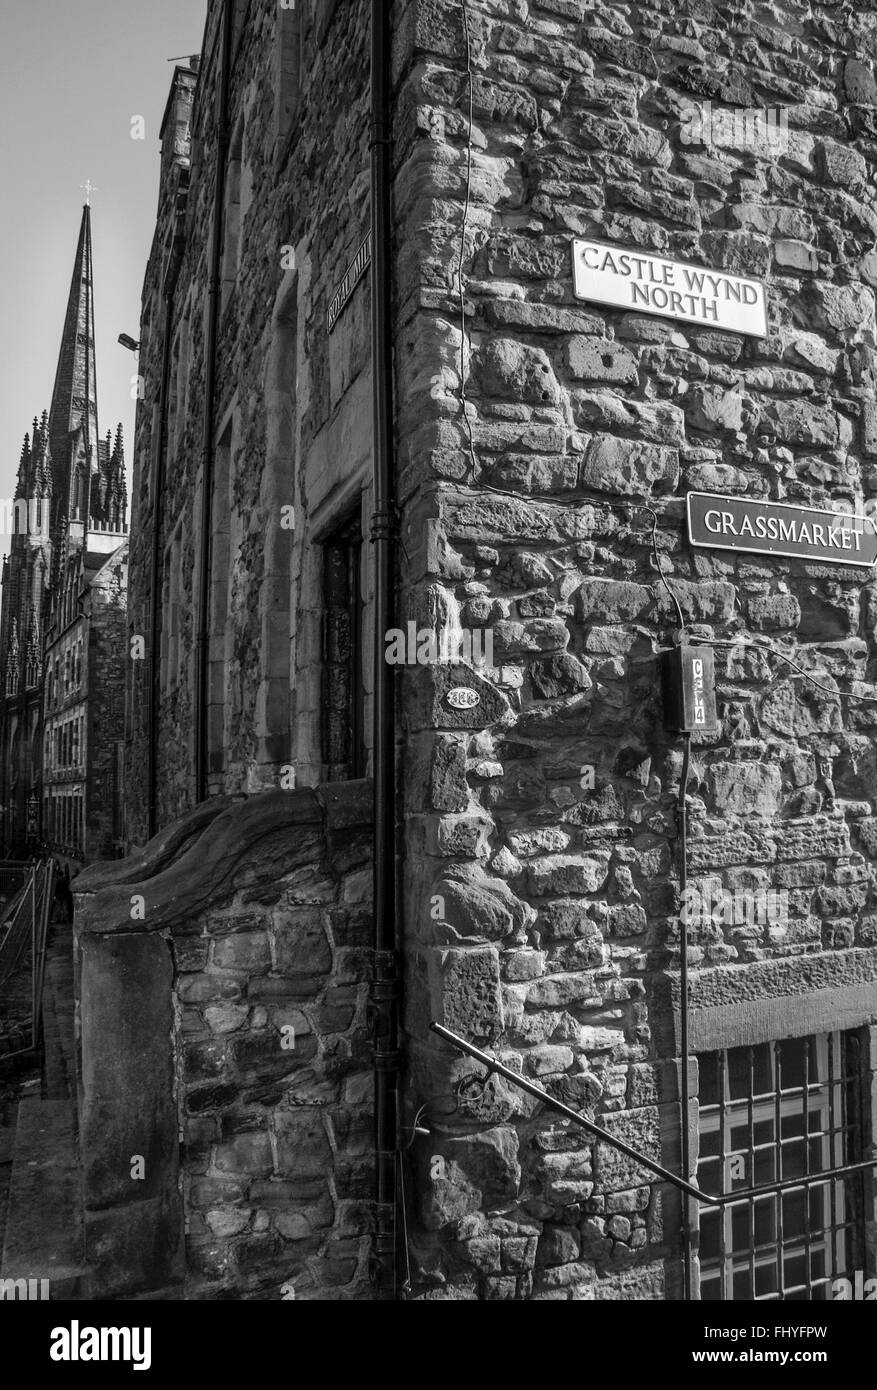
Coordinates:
(461, 697)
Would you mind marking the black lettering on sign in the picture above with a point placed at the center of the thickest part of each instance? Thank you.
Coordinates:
(780, 528)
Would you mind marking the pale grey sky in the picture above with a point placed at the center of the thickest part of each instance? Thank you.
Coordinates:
(74, 74)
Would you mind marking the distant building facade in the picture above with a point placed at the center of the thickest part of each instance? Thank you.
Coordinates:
(62, 624)
(84, 704)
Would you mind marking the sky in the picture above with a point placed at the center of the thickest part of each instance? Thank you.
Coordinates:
(75, 74)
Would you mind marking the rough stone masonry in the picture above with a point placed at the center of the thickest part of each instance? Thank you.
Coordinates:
(529, 510)
(545, 448)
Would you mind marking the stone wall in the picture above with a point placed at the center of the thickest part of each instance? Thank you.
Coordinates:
(541, 904)
(107, 667)
(292, 404)
(225, 1082)
(542, 908)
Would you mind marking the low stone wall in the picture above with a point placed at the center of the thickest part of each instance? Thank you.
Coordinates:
(224, 1068)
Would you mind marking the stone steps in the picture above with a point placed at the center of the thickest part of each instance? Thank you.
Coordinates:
(7, 1146)
(41, 1228)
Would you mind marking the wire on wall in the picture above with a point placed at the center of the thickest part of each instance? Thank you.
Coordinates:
(771, 650)
(658, 566)
(684, 1044)
(463, 229)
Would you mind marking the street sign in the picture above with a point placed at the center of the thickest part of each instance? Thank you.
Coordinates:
(631, 279)
(780, 528)
(352, 276)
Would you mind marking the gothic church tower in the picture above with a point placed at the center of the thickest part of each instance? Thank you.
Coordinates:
(69, 481)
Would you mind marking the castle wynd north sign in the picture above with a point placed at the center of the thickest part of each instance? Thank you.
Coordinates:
(631, 279)
(779, 528)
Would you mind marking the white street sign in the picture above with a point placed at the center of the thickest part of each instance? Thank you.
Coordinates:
(631, 279)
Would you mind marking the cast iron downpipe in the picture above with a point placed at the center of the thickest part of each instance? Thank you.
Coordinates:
(206, 540)
(384, 991)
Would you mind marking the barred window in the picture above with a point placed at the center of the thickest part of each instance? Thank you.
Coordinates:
(770, 1113)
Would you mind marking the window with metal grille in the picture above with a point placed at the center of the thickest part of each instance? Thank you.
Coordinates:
(770, 1113)
(343, 691)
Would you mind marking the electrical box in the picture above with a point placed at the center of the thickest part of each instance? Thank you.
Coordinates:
(689, 680)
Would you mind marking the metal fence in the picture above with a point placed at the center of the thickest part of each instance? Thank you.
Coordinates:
(13, 876)
(24, 928)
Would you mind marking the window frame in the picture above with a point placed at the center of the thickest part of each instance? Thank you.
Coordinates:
(835, 1095)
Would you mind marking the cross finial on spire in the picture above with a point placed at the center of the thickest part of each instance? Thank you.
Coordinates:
(89, 188)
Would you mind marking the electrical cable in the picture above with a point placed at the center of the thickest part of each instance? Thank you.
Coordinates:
(643, 506)
(403, 1208)
(488, 487)
(684, 1045)
(465, 13)
(774, 651)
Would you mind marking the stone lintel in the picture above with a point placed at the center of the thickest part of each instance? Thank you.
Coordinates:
(793, 997)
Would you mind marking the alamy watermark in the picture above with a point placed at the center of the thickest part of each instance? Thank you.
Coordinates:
(22, 516)
(711, 903)
(755, 129)
(423, 646)
(24, 1290)
(78, 1343)
(858, 1288)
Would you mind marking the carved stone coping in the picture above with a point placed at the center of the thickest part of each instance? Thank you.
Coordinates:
(193, 862)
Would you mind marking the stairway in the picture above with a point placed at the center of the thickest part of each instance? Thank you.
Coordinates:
(42, 1228)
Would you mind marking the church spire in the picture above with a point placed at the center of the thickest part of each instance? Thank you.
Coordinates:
(118, 489)
(109, 502)
(43, 460)
(75, 378)
(24, 464)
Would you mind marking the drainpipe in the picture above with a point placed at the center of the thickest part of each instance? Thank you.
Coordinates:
(384, 990)
(205, 541)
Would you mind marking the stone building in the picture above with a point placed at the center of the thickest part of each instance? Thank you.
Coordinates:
(84, 702)
(665, 923)
(62, 627)
(24, 583)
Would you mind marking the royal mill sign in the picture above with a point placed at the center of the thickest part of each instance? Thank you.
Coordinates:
(778, 528)
(630, 279)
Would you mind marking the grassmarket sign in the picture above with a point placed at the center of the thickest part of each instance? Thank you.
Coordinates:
(780, 528)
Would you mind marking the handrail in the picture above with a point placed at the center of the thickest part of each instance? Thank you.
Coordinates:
(14, 942)
(705, 1198)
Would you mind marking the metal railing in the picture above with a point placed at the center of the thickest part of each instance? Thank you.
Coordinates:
(13, 876)
(705, 1198)
(24, 930)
